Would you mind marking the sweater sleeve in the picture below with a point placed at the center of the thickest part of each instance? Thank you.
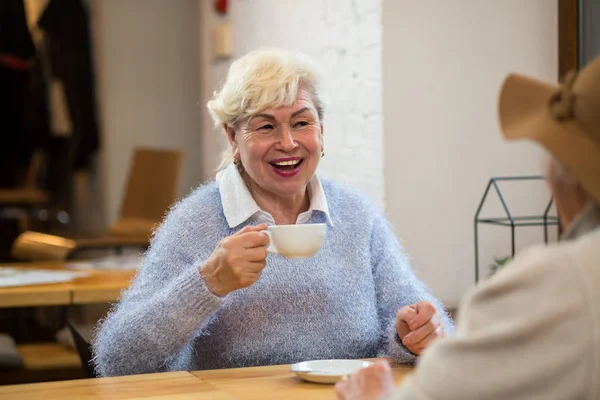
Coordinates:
(397, 286)
(166, 305)
(525, 334)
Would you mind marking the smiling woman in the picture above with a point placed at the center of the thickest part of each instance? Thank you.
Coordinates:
(208, 295)
(277, 152)
(272, 117)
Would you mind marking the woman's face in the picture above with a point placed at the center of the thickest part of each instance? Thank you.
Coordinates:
(280, 148)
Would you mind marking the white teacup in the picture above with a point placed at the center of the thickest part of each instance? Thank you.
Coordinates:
(296, 241)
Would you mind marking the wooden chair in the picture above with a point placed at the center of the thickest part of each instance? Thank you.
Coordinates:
(151, 189)
(84, 349)
(46, 186)
(28, 196)
(44, 362)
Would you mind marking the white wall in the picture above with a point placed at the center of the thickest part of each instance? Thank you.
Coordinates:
(443, 63)
(344, 38)
(147, 66)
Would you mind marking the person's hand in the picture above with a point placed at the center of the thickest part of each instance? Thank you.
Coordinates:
(373, 383)
(237, 261)
(418, 325)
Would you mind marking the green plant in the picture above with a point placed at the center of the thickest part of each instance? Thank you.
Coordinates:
(499, 262)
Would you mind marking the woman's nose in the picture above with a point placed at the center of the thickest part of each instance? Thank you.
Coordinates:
(286, 138)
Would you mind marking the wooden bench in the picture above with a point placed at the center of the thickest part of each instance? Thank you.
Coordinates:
(44, 362)
(47, 356)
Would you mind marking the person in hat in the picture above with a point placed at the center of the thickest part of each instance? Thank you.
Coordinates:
(533, 331)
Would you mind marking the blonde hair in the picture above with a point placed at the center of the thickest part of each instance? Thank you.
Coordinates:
(262, 79)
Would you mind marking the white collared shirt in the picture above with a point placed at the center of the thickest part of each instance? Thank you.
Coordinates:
(239, 205)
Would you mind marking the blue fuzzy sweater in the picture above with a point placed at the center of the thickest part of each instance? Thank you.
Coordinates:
(341, 303)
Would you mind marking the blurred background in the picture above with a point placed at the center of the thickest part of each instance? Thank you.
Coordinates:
(103, 118)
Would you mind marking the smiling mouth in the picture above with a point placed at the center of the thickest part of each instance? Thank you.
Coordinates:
(287, 165)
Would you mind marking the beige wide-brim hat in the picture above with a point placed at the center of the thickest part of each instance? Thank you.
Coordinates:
(564, 119)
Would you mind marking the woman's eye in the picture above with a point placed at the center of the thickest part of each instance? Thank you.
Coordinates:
(301, 124)
(266, 127)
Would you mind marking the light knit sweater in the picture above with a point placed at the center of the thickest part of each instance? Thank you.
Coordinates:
(532, 332)
(341, 303)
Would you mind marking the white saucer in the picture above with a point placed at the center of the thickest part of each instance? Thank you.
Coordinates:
(327, 371)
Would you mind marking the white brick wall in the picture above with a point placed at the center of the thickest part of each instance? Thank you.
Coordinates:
(344, 37)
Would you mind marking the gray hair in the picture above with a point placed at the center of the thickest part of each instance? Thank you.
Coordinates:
(262, 79)
(558, 175)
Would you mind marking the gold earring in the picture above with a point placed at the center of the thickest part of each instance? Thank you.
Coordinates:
(237, 162)
(322, 153)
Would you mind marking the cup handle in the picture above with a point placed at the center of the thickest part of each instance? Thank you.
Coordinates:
(271, 247)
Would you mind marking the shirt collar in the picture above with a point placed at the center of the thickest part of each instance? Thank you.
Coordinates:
(239, 205)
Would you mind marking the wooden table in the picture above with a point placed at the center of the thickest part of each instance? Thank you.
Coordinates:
(99, 287)
(274, 382)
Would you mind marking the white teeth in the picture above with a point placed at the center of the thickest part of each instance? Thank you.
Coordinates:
(282, 163)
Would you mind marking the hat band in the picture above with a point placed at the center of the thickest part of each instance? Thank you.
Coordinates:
(562, 103)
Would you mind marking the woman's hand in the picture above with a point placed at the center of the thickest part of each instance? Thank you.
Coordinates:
(237, 261)
(418, 325)
(373, 383)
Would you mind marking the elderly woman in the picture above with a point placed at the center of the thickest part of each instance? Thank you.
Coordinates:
(533, 331)
(209, 296)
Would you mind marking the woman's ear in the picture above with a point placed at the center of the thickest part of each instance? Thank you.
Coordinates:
(230, 132)
(322, 140)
